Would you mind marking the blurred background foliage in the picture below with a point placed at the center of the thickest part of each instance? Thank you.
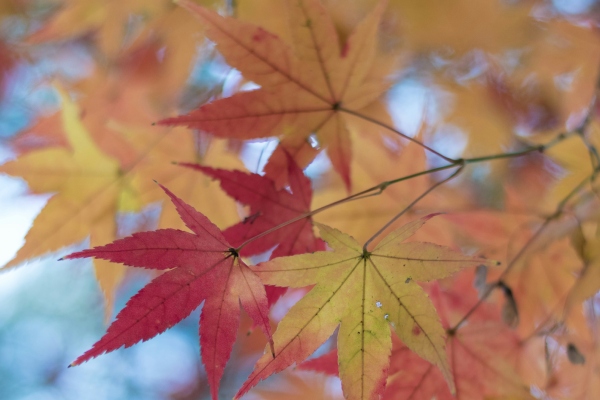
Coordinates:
(485, 76)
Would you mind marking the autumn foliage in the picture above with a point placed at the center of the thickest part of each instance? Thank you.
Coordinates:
(414, 182)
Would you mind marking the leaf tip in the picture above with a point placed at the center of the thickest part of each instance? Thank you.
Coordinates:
(429, 216)
(72, 256)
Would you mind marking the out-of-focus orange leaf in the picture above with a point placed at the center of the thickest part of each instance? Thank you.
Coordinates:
(303, 91)
(488, 359)
(574, 364)
(588, 282)
(119, 27)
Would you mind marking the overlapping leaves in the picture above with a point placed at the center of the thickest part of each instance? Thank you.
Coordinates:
(367, 294)
(302, 90)
(324, 69)
(201, 267)
(269, 208)
(92, 181)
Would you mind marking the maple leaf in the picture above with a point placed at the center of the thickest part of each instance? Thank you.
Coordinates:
(553, 54)
(487, 127)
(88, 193)
(485, 354)
(201, 266)
(174, 36)
(75, 18)
(482, 358)
(159, 151)
(542, 279)
(429, 25)
(493, 27)
(576, 156)
(46, 132)
(326, 364)
(164, 37)
(541, 285)
(109, 22)
(365, 292)
(395, 158)
(269, 207)
(302, 92)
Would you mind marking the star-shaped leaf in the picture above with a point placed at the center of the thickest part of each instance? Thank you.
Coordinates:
(303, 90)
(200, 267)
(269, 207)
(367, 292)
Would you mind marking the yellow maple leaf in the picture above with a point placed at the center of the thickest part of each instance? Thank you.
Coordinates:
(368, 293)
(87, 187)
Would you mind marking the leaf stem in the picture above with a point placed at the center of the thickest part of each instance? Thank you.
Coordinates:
(378, 189)
(540, 149)
(491, 288)
(415, 201)
(383, 185)
(397, 132)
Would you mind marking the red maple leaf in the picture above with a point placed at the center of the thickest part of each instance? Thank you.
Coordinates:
(202, 266)
(269, 207)
(326, 364)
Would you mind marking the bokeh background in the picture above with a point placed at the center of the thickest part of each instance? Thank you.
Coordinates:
(51, 312)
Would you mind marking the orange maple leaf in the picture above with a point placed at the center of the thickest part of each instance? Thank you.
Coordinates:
(305, 90)
(574, 364)
(485, 354)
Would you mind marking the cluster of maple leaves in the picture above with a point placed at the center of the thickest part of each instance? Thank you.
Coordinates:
(502, 306)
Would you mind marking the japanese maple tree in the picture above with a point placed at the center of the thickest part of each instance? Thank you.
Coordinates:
(447, 249)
